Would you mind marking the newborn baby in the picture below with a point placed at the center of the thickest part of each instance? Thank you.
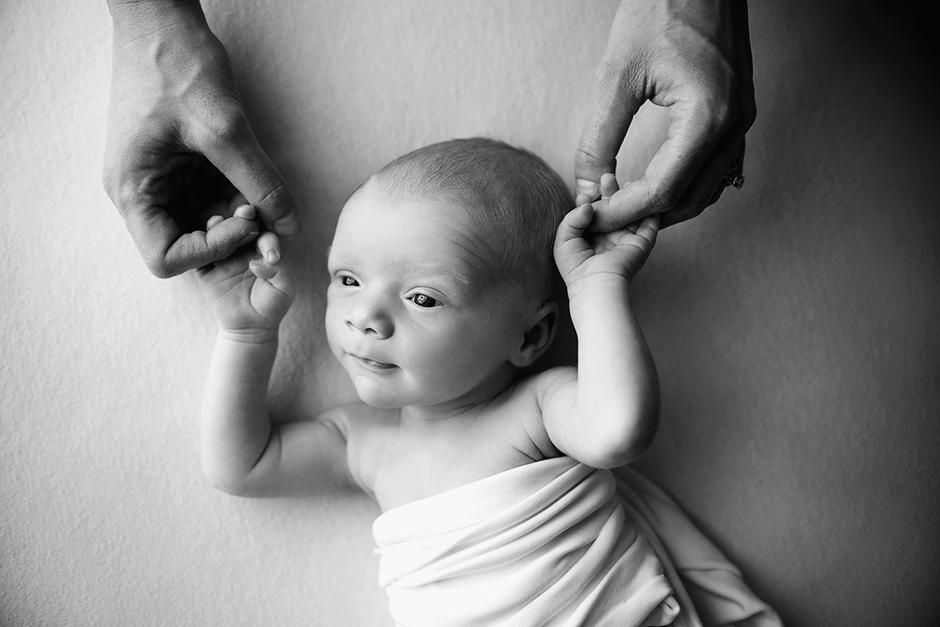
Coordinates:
(490, 473)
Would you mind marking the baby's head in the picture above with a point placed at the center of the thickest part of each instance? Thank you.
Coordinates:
(513, 201)
(442, 273)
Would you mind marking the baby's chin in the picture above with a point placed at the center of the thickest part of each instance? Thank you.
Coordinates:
(380, 402)
(382, 398)
(378, 396)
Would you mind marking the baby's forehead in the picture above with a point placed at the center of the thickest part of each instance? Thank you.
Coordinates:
(461, 210)
(376, 207)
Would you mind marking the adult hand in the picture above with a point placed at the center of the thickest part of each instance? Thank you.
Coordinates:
(178, 139)
(693, 57)
(586, 258)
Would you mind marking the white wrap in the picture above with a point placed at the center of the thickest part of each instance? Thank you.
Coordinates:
(547, 544)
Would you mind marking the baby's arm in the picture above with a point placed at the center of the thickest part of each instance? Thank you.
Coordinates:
(242, 451)
(607, 415)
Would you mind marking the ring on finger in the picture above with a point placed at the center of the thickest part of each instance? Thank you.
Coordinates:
(733, 177)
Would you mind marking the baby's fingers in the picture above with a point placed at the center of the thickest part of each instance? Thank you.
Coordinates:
(575, 223)
(273, 285)
(609, 185)
(221, 271)
(269, 247)
(648, 228)
(264, 270)
(571, 249)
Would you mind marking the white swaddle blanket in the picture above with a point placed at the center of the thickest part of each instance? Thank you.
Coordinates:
(549, 544)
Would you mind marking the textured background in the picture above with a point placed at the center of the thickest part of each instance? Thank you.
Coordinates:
(795, 325)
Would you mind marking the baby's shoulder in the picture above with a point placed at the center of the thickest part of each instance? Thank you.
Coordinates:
(528, 399)
(542, 384)
(366, 431)
(526, 393)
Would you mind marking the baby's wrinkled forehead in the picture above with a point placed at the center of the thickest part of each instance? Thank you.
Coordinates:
(489, 247)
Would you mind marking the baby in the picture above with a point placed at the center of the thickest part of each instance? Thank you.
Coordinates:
(442, 294)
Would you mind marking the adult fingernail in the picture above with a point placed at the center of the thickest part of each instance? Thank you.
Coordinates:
(244, 211)
(288, 226)
(272, 256)
(587, 186)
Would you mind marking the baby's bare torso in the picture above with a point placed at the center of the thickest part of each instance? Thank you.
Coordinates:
(399, 460)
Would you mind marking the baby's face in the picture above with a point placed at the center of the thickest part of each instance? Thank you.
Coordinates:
(417, 312)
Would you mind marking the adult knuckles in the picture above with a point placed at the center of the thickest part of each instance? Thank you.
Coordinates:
(716, 112)
(278, 199)
(617, 74)
(112, 174)
(156, 262)
(610, 74)
(108, 177)
(720, 112)
(661, 200)
(124, 179)
(120, 188)
(224, 127)
(735, 105)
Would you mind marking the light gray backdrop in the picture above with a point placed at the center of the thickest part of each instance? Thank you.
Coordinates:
(795, 325)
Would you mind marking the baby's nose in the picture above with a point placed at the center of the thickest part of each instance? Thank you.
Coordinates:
(369, 318)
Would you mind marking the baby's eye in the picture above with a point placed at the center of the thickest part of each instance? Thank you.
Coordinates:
(423, 300)
(348, 281)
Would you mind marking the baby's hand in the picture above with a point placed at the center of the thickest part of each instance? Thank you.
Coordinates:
(249, 291)
(583, 258)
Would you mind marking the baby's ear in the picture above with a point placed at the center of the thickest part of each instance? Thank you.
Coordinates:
(539, 336)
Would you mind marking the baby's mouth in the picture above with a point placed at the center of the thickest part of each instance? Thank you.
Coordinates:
(371, 364)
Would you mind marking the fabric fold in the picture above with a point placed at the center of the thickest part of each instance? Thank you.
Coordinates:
(552, 543)
(699, 572)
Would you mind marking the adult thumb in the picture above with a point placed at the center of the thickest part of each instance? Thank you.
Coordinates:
(612, 109)
(237, 154)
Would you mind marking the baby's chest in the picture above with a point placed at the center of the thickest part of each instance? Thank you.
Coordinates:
(399, 467)
(421, 473)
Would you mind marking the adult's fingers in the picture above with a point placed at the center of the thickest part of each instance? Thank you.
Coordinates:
(735, 167)
(168, 252)
(616, 100)
(708, 184)
(728, 156)
(232, 147)
(693, 132)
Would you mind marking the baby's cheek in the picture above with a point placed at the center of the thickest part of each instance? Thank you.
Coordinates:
(463, 364)
(332, 325)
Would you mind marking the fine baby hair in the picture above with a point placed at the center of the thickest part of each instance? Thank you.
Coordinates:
(515, 199)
